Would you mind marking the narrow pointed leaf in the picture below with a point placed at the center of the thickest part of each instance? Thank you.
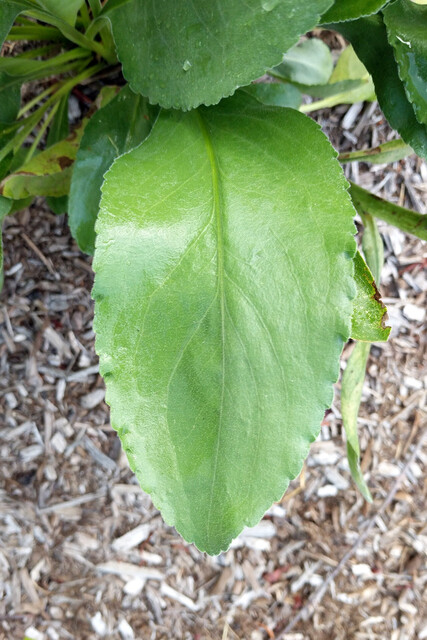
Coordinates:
(405, 219)
(182, 54)
(115, 129)
(351, 394)
(223, 296)
(5, 207)
(369, 39)
(383, 154)
(343, 10)
(275, 94)
(407, 33)
(369, 314)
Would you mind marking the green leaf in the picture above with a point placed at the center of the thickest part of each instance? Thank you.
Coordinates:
(309, 62)
(351, 393)
(388, 152)
(46, 174)
(8, 13)
(406, 24)
(275, 95)
(182, 54)
(405, 219)
(344, 10)
(369, 313)
(372, 246)
(369, 39)
(223, 296)
(115, 129)
(59, 130)
(5, 207)
(66, 10)
(10, 99)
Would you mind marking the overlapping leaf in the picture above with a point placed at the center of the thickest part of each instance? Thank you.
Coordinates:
(343, 10)
(407, 33)
(369, 314)
(115, 129)
(182, 54)
(218, 338)
(369, 39)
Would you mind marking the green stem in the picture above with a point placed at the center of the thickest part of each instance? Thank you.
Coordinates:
(70, 33)
(85, 17)
(41, 96)
(405, 219)
(32, 121)
(96, 7)
(37, 32)
(41, 132)
(384, 153)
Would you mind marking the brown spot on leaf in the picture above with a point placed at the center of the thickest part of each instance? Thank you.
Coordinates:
(64, 162)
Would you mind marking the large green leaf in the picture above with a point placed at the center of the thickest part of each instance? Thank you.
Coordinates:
(182, 54)
(66, 9)
(343, 10)
(113, 130)
(369, 39)
(224, 279)
(407, 33)
(369, 314)
(309, 62)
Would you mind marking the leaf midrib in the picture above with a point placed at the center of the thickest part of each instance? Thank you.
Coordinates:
(221, 290)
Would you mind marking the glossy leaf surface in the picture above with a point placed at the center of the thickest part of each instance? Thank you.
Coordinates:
(115, 129)
(369, 39)
(369, 314)
(407, 33)
(309, 62)
(182, 54)
(344, 10)
(218, 339)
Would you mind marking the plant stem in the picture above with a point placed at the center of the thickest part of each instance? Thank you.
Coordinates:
(384, 153)
(42, 130)
(96, 7)
(405, 219)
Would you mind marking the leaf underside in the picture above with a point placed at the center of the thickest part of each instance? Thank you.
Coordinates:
(198, 53)
(218, 341)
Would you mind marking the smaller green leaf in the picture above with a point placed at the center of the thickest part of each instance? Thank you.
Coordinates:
(391, 151)
(275, 94)
(5, 207)
(406, 24)
(48, 173)
(369, 314)
(8, 14)
(115, 129)
(369, 39)
(351, 393)
(309, 62)
(405, 219)
(344, 10)
(66, 10)
(10, 99)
